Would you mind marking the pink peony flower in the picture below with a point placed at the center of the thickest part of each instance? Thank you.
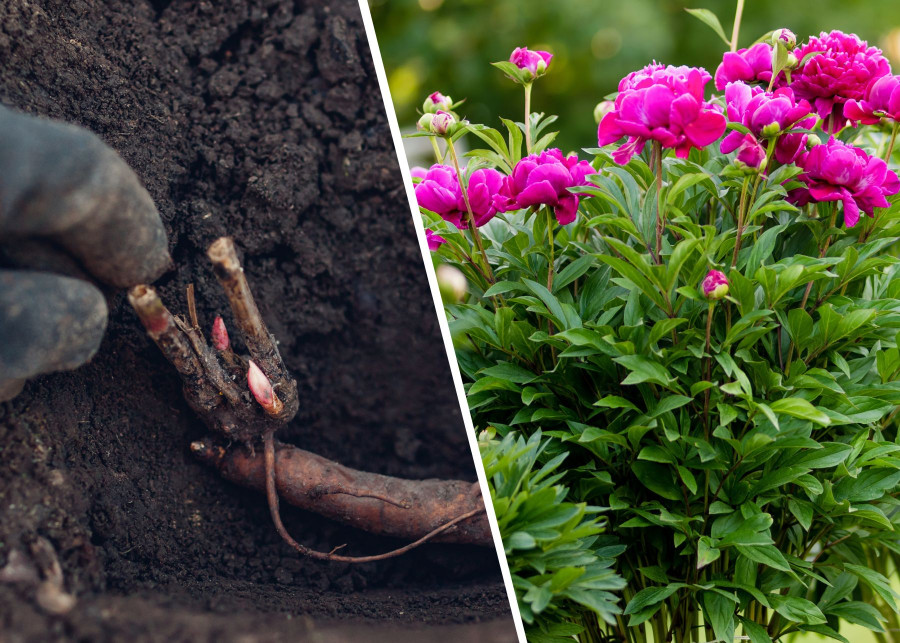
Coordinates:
(434, 240)
(766, 115)
(417, 172)
(753, 65)
(536, 62)
(440, 192)
(837, 171)
(715, 285)
(840, 73)
(881, 98)
(544, 179)
(665, 105)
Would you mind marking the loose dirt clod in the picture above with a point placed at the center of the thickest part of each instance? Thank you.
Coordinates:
(421, 510)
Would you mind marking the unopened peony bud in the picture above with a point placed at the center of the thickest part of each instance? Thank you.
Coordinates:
(424, 123)
(792, 62)
(437, 102)
(442, 123)
(220, 335)
(715, 285)
(452, 283)
(812, 140)
(262, 390)
(750, 154)
(535, 63)
(786, 37)
(603, 108)
(771, 130)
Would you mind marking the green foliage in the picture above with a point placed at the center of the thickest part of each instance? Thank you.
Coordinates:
(561, 565)
(751, 472)
(730, 465)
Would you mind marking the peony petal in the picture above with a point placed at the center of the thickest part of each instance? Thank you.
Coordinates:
(851, 211)
(541, 193)
(706, 128)
(567, 209)
(609, 131)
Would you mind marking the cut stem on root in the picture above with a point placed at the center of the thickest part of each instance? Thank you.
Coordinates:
(420, 511)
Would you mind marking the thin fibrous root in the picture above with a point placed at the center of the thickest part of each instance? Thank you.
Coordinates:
(417, 510)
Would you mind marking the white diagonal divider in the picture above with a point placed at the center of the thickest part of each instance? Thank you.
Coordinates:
(439, 309)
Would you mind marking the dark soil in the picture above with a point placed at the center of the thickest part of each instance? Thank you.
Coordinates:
(261, 119)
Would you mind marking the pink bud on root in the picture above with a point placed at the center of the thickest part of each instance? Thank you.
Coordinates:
(262, 390)
(220, 334)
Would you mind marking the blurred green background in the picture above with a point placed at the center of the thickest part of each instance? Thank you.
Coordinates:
(446, 45)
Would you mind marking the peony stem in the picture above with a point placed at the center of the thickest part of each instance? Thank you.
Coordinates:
(550, 236)
(740, 223)
(738, 13)
(528, 118)
(437, 149)
(890, 149)
(660, 215)
(470, 218)
(708, 369)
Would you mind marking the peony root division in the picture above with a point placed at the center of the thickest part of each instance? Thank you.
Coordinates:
(213, 377)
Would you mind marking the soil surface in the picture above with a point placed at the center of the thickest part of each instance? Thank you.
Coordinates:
(260, 119)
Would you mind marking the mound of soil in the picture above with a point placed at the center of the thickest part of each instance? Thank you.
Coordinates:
(260, 119)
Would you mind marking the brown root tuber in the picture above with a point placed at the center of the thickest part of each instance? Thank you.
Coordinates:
(408, 509)
(417, 510)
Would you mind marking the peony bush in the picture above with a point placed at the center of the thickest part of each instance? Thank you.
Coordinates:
(680, 345)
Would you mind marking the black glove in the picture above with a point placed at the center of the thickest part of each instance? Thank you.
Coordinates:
(70, 204)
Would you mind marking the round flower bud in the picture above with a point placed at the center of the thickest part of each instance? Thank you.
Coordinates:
(424, 122)
(792, 62)
(812, 140)
(786, 37)
(442, 122)
(452, 283)
(603, 108)
(435, 102)
(533, 63)
(715, 285)
(772, 129)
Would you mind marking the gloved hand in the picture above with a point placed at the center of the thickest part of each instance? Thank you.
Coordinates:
(68, 204)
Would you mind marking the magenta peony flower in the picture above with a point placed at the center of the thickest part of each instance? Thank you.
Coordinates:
(837, 171)
(440, 192)
(753, 65)
(662, 104)
(544, 179)
(881, 99)
(536, 62)
(766, 115)
(434, 240)
(637, 79)
(841, 72)
(484, 185)
(417, 172)
(715, 285)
